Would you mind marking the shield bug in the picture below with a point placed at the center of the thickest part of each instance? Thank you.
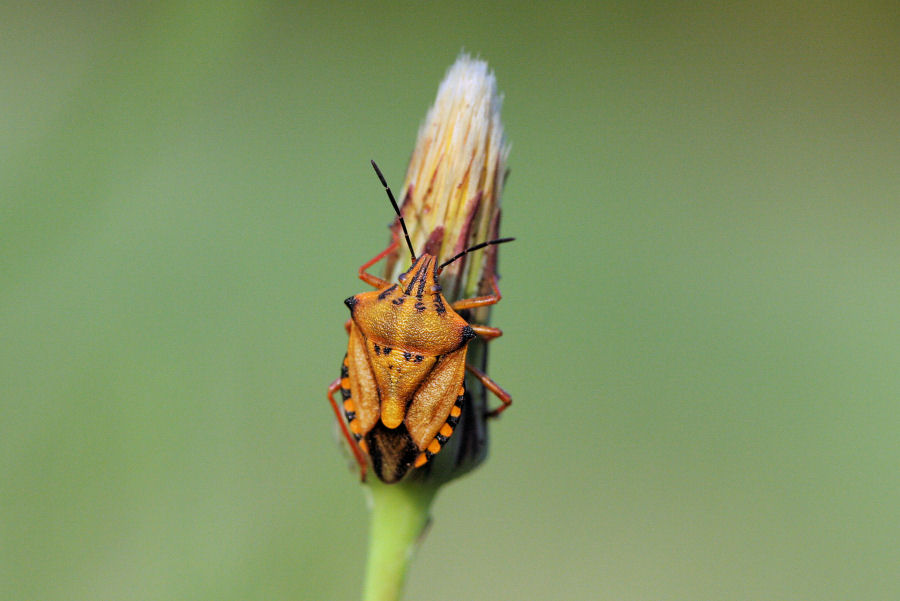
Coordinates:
(403, 378)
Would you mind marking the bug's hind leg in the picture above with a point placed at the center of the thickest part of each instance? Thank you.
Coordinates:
(493, 387)
(354, 446)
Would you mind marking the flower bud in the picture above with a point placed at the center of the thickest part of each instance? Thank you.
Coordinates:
(450, 202)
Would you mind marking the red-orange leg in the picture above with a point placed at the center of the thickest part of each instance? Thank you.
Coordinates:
(357, 452)
(350, 321)
(480, 301)
(493, 387)
(375, 281)
(486, 332)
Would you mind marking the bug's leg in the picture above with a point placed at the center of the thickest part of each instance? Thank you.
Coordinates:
(357, 452)
(479, 301)
(487, 332)
(350, 321)
(375, 281)
(493, 387)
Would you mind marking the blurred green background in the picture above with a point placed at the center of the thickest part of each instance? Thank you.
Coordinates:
(702, 310)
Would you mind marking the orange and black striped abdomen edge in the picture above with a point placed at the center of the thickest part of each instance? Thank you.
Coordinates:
(349, 407)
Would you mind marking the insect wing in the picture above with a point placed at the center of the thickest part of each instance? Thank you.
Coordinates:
(433, 402)
(364, 391)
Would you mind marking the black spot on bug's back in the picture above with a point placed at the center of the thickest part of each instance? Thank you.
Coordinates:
(439, 305)
(419, 358)
(407, 355)
(420, 306)
(377, 348)
(399, 300)
(351, 302)
(467, 333)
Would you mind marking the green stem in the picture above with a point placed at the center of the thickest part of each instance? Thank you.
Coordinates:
(400, 513)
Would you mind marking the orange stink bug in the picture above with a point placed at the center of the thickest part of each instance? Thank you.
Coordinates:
(403, 377)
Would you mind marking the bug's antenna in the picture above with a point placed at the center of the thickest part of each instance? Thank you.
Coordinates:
(396, 210)
(476, 247)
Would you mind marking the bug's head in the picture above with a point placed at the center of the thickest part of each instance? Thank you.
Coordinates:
(421, 278)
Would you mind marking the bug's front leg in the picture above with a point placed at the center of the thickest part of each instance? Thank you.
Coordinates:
(493, 387)
(375, 281)
(479, 301)
(357, 452)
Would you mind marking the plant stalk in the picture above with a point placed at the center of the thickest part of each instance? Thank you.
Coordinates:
(400, 513)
